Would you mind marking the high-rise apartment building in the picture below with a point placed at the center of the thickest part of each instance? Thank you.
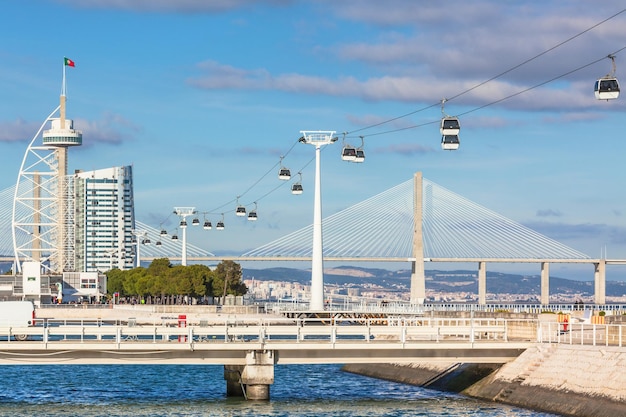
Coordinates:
(104, 219)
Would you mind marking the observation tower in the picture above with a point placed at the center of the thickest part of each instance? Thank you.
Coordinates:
(43, 206)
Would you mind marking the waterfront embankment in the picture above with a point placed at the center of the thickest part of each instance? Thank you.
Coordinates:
(571, 380)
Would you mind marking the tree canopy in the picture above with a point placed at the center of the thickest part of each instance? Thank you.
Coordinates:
(161, 278)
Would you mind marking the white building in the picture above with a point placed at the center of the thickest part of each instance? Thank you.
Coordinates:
(104, 219)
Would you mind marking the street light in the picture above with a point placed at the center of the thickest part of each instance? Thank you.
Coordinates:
(183, 212)
(317, 138)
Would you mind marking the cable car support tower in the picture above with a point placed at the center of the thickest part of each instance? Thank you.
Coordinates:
(318, 139)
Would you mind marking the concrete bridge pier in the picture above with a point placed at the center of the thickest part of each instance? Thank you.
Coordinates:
(482, 283)
(599, 280)
(253, 379)
(545, 283)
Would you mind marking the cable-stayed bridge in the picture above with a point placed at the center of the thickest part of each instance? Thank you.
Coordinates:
(380, 228)
(449, 228)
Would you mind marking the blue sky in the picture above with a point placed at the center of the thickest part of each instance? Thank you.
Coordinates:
(204, 97)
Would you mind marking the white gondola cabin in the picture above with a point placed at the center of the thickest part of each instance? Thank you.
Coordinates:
(450, 142)
(296, 188)
(606, 88)
(183, 224)
(220, 225)
(450, 126)
(240, 211)
(284, 174)
(207, 225)
(252, 216)
(348, 153)
(360, 155)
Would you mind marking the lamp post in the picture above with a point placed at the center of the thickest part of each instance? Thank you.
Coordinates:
(183, 212)
(318, 139)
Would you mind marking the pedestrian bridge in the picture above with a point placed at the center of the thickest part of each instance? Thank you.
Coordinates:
(289, 341)
(250, 349)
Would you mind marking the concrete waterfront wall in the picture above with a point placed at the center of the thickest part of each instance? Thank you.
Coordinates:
(576, 380)
(571, 380)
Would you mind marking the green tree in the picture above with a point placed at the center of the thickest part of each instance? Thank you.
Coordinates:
(115, 281)
(201, 277)
(228, 280)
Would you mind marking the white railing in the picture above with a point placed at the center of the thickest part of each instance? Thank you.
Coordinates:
(400, 329)
(383, 330)
(398, 307)
(582, 334)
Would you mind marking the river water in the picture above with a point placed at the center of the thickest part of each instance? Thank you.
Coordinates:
(168, 390)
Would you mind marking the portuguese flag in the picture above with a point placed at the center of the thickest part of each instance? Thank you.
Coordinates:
(69, 62)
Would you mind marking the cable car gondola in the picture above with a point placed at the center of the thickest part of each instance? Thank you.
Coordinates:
(283, 173)
(240, 210)
(348, 153)
(183, 224)
(252, 215)
(450, 142)
(220, 224)
(207, 225)
(360, 155)
(450, 126)
(607, 87)
(296, 188)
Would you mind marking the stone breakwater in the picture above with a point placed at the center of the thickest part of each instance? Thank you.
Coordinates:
(571, 380)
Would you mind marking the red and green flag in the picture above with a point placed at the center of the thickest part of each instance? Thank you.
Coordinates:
(69, 62)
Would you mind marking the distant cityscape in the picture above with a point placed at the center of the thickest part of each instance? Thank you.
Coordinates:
(353, 284)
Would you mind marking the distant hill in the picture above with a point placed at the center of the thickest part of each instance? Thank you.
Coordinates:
(441, 281)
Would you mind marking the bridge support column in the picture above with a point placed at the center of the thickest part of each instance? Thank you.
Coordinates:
(545, 283)
(253, 379)
(482, 283)
(599, 280)
(232, 375)
(418, 277)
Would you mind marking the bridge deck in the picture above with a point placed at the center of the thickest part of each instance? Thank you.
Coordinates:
(297, 342)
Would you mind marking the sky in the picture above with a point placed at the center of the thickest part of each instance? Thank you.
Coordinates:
(207, 99)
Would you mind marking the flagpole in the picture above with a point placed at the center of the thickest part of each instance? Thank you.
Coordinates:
(63, 85)
(62, 99)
